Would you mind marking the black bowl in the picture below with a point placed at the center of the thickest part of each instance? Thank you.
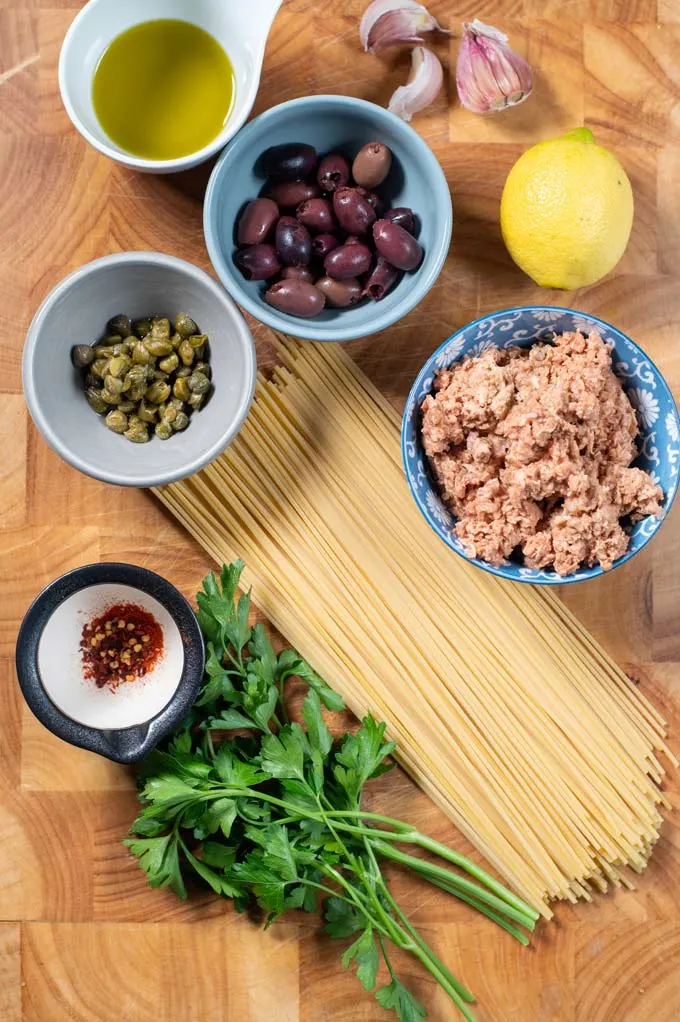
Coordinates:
(125, 744)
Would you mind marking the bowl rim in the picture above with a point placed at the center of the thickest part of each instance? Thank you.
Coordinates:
(141, 163)
(43, 422)
(502, 571)
(305, 328)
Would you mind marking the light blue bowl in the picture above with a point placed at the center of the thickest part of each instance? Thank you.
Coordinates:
(341, 124)
(659, 441)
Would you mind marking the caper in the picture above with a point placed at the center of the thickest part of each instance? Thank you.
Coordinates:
(158, 392)
(183, 371)
(197, 340)
(181, 390)
(186, 352)
(163, 430)
(176, 340)
(103, 350)
(112, 386)
(198, 383)
(159, 346)
(147, 412)
(196, 400)
(95, 400)
(117, 421)
(168, 414)
(141, 327)
(82, 355)
(205, 368)
(109, 398)
(118, 365)
(180, 422)
(92, 381)
(160, 328)
(184, 325)
(158, 374)
(127, 406)
(176, 402)
(169, 364)
(121, 349)
(137, 433)
(135, 382)
(120, 324)
(141, 354)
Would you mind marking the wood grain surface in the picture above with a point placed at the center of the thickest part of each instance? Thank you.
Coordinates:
(81, 936)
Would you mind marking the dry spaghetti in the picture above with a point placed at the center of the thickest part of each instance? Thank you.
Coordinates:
(506, 711)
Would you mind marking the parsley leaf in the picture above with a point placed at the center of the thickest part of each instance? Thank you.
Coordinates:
(396, 996)
(159, 858)
(233, 771)
(283, 755)
(365, 951)
(342, 919)
(361, 757)
(290, 664)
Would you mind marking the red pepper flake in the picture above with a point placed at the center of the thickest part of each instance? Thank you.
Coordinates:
(120, 645)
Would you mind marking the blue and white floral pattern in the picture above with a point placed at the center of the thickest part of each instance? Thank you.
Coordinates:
(659, 443)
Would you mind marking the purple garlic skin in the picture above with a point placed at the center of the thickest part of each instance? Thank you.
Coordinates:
(490, 76)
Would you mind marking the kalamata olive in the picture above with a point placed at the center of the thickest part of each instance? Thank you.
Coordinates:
(289, 194)
(297, 273)
(348, 261)
(396, 245)
(352, 239)
(257, 220)
(258, 262)
(373, 199)
(296, 297)
(322, 244)
(293, 242)
(341, 293)
(382, 279)
(372, 165)
(317, 215)
(289, 162)
(404, 217)
(333, 172)
(354, 213)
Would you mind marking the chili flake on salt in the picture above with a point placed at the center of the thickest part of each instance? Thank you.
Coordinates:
(120, 645)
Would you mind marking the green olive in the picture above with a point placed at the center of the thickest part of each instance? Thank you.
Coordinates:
(169, 364)
(95, 400)
(184, 325)
(198, 383)
(82, 355)
(158, 392)
(163, 430)
(141, 327)
(186, 352)
(120, 324)
(117, 421)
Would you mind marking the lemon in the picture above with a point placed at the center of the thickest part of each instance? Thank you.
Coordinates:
(567, 211)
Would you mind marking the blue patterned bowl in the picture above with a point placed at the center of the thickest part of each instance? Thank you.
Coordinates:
(659, 441)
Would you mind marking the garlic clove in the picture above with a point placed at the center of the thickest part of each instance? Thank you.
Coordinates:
(490, 76)
(394, 22)
(423, 85)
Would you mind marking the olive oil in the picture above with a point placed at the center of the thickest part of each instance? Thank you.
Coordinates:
(163, 89)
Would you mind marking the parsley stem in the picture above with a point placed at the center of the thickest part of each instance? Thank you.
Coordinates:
(484, 909)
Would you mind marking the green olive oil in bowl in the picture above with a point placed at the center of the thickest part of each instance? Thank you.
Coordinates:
(163, 89)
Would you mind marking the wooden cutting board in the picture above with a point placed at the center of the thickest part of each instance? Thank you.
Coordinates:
(81, 936)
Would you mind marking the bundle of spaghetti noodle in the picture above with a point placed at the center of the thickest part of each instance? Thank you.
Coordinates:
(506, 711)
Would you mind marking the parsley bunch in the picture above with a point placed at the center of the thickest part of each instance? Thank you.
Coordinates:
(272, 814)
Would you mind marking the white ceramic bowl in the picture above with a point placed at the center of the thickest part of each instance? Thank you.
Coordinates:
(240, 26)
(76, 311)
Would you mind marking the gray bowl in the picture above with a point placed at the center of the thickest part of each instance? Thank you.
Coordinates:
(331, 124)
(76, 312)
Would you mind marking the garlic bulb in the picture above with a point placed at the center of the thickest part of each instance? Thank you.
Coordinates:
(489, 75)
(394, 22)
(423, 85)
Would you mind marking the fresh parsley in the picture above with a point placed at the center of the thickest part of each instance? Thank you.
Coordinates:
(265, 810)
